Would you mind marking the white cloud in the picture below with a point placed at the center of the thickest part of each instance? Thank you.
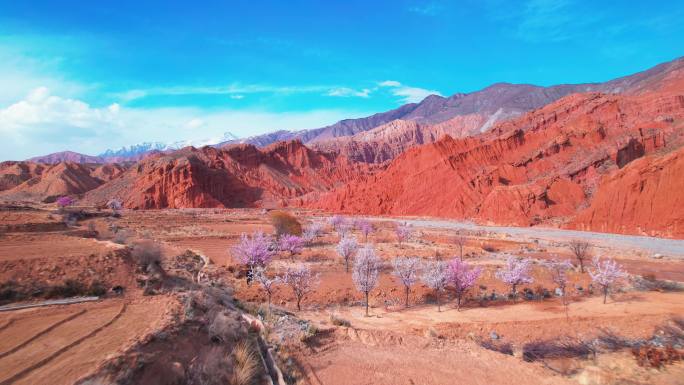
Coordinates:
(237, 96)
(349, 92)
(406, 93)
(42, 123)
(389, 83)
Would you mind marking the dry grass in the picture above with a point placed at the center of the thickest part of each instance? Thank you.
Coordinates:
(246, 368)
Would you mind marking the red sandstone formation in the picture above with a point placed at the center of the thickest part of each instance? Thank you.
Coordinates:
(647, 196)
(46, 182)
(239, 176)
(542, 167)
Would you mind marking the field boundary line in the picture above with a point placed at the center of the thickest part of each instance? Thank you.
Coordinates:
(65, 301)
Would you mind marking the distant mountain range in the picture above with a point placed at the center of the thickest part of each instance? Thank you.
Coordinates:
(488, 106)
(606, 157)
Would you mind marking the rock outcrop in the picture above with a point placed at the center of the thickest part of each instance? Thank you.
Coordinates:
(238, 176)
(645, 197)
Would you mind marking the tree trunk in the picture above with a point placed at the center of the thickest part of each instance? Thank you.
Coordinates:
(299, 303)
(461, 253)
(346, 264)
(439, 302)
(515, 294)
(581, 263)
(366, 304)
(407, 295)
(458, 301)
(605, 293)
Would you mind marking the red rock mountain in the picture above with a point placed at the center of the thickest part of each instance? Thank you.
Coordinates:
(540, 168)
(238, 176)
(67, 156)
(45, 183)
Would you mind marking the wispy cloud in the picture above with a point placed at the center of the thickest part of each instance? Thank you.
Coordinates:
(426, 9)
(235, 91)
(406, 93)
(346, 92)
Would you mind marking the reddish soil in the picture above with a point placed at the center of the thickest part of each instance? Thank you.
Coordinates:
(77, 340)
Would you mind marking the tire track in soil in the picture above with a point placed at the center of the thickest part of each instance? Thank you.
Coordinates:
(56, 354)
(42, 332)
(7, 324)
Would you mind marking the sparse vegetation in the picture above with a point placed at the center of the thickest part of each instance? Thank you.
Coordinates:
(146, 253)
(581, 250)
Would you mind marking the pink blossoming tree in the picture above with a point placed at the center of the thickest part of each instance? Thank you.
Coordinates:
(436, 277)
(64, 202)
(516, 272)
(254, 251)
(365, 272)
(462, 277)
(403, 233)
(346, 248)
(301, 280)
(365, 227)
(335, 221)
(291, 244)
(267, 284)
(605, 274)
(311, 232)
(406, 269)
(559, 269)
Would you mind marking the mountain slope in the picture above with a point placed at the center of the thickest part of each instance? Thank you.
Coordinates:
(238, 176)
(540, 168)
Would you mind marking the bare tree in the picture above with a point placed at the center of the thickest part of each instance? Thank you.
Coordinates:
(581, 250)
(460, 241)
(406, 269)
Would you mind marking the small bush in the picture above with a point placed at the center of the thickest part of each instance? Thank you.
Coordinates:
(338, 321)
(146, 253)
(70, 288)
(500, 347)
(97, 289)
(120, 237)
(285, 223)
(563, 348)
(489, 248)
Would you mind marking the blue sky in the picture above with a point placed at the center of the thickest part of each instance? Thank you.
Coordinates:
(91, 75)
